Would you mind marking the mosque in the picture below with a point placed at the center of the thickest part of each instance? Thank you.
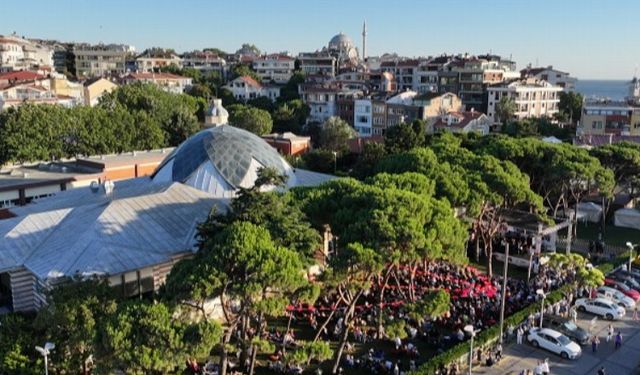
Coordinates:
(133, 231)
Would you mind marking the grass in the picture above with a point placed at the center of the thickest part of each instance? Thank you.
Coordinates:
(615, 236)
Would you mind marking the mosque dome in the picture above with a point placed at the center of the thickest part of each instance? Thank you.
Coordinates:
(220, 160)
(341, 42)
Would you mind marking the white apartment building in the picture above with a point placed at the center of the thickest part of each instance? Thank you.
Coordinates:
(318, 63)
(205, 62)
(21, 54)
(152, 60)
(172, 83)
(101, 60)
(533, 98)
(363, 117)
(246, 88)
(553, 76)
(276, 67)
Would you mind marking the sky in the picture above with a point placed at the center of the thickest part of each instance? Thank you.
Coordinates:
(588, 38)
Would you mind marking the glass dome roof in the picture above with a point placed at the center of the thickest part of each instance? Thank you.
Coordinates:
(223, 156)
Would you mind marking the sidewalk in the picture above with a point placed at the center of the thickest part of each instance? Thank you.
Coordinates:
(624, 361)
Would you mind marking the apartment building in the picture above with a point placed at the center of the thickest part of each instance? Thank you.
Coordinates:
(205, 62)
(172, 83)
(321, 63)
(616, 118)
(246, 88)
(101, 59)
(551, 75)
(533, 98)
(276, 68)
(154, 59)
(18, 53)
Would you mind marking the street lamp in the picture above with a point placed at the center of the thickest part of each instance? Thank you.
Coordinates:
(631, 247)
(472, 332)
(541, 293)
(504, 290)
(48, 347)
(335, 162)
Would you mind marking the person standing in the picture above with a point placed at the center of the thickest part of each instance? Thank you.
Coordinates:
(594, 343)
(609, 332)
(618, 340)
(545, 367)
(519, 335)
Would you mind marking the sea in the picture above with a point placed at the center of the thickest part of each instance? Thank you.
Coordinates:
(612, 89)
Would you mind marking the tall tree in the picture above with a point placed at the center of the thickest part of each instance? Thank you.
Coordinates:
(571, 105)
(404, 137)
(335, 135)
(623, 159)
(255, 120)
(505, 109)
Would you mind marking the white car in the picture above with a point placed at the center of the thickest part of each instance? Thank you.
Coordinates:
(616, 296)
(555, 342)
(602, 307)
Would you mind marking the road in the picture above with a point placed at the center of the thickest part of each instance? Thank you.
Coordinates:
(624, 361)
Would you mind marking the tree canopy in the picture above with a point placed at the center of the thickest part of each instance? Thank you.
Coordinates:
(255, 120)
(335, 134)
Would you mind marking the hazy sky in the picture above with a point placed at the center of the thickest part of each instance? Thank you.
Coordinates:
(589, 38)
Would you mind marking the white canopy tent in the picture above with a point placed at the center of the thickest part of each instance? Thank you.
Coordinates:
(589, 211)
(551, 140)
(627, 218)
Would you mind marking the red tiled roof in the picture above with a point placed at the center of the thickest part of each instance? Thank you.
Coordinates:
(20, 76)
(250, 81)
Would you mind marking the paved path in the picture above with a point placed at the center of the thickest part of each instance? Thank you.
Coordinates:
(624, 361)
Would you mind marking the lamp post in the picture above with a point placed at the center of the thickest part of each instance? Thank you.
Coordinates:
(335, 162)
(504, 290)
(541, 293)
(631, 247)
(48, 347)
(472, 332)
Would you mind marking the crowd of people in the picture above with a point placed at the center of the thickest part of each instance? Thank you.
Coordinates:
(475, 300)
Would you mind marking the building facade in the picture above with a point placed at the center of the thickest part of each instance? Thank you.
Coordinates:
(205, 62)
(172, 83)
(601, 117)
(18, 53)
(246, 88)
(101, 60)
(154, 59)
(553, 76)
(276, 68)
(533, 98)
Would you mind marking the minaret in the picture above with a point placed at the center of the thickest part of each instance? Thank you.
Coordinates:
(364, 41)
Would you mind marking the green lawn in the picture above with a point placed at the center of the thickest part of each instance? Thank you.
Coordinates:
(615, 236)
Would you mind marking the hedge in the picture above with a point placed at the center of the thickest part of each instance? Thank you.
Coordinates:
(491, 334)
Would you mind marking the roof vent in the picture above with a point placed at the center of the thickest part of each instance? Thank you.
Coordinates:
(95, 186)
(108, 187)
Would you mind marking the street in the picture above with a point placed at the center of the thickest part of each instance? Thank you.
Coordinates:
(624, 361)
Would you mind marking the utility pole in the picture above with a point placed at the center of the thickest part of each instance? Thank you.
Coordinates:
(504, 291)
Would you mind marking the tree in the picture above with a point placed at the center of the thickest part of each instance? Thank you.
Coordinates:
(335, 135)
(241, 70)
(183, 125)
(372, 154)
(257, 280)
(76, 308)
(505, 109)
(290, 116)
(251, 119)
(290, 91)
(404, 137)
(320, 160)
(143, 338)
(17, 339)
(432, 305)
(261, 102)
(623, 159)
(571, 105)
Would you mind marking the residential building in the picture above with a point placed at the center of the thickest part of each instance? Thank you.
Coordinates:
(553, 76)
(169, 82)
(288, 143)
(205, 62)
(136, 229)
(245, 88)
(345, 106)
(24, 183)
(617, 118)
(321, 63)
(154, 59)
(382, 82)
(463, 122)
(101, 59)
(18, 53)
(533, 98)
(95, 88)
(434, 105)
(20, 87)
(63, 58)
(363, 117)
(330, 99)
(276, 68)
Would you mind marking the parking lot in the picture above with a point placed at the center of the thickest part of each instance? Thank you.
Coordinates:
(623, 361)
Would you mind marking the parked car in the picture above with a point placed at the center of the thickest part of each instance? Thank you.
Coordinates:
(623, 288)
(616, 296)
(555, 342)
(567, 327)
(602, 307)
(624, 276)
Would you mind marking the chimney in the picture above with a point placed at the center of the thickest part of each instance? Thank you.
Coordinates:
(108, 187)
